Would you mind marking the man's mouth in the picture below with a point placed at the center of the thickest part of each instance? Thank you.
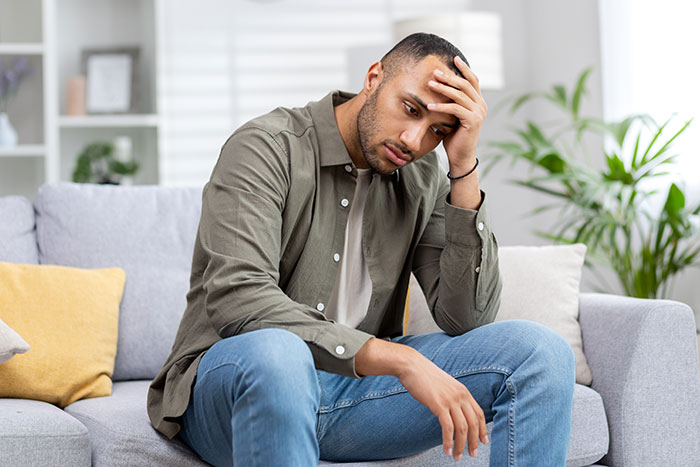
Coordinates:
(397, 157)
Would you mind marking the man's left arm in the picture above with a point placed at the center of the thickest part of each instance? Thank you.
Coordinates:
(456, 264)
(464, 292)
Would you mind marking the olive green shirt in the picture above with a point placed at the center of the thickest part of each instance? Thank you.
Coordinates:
(274, 215)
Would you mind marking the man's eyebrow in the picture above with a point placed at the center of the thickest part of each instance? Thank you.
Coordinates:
(425, 107)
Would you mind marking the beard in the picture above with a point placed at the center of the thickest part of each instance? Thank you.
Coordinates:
(367, 129)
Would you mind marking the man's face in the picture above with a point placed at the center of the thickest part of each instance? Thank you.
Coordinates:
(394, 125)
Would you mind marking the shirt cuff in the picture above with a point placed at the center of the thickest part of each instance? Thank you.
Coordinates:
(467, 226)
(335, 348)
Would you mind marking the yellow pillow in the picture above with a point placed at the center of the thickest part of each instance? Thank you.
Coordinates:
(70, 318)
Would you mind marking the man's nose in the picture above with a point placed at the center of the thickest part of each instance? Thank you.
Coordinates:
(412, 138)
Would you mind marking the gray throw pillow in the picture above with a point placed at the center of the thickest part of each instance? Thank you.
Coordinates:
(10, 343)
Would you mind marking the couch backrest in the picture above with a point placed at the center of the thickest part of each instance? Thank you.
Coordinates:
(148, 231)
(17, 234)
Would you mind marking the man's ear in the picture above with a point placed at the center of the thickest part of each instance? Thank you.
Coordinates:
(373, 78)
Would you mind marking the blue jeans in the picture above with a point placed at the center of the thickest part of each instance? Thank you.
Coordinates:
(259, 401)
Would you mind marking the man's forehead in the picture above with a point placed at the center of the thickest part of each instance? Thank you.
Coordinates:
(427, 65)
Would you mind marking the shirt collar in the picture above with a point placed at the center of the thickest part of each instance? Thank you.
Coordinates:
(333, 150)
(330, 143)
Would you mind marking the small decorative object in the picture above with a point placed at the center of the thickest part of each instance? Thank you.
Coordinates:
(607, 206)
(75, 96)
(110, 78)
(8, 135)
(97, 163)
(11, 76)
(122, 153)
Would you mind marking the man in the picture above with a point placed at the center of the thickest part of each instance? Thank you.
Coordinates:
(290, 348)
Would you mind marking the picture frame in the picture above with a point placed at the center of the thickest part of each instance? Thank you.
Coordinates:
(110, 78)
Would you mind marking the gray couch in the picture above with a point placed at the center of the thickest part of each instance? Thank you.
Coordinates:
(643, 408)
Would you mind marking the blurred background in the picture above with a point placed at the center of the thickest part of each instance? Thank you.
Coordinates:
(147, 91)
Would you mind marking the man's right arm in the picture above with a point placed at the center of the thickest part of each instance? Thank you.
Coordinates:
(450, 401)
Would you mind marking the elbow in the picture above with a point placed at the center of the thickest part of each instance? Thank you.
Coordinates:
(490, 301)
(481, 311)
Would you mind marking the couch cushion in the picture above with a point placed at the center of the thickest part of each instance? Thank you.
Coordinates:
(17, 234)
(149, 232)
(34, 433)
(121, 433)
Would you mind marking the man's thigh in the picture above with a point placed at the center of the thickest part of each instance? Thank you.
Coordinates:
(376, 418)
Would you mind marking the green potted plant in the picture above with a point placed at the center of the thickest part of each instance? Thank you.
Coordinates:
(612, 209)
(101, 163)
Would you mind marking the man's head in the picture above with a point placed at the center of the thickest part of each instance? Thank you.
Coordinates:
(394, 125)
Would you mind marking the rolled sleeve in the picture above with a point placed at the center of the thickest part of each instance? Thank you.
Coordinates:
(335, 347)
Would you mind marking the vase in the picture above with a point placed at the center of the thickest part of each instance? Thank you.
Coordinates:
(8, 135)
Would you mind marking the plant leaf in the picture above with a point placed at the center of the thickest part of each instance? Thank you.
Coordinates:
(579, 91)
(523, 99)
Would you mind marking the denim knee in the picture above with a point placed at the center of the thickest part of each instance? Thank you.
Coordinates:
(274, 363)
(550, 350)
(278, 353)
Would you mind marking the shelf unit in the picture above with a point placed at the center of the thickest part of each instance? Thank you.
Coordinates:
(52, 35)
(106, 121)
(21, 49)
(24, 150)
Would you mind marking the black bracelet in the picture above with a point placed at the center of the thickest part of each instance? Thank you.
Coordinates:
(462, 176)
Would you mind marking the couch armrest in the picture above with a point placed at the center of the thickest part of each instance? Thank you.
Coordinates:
(644, 360)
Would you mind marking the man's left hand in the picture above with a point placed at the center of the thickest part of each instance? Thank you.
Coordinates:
(468, 106)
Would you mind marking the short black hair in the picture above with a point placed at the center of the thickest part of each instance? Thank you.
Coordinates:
(416, 47)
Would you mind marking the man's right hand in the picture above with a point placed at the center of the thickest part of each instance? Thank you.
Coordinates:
(460, 416)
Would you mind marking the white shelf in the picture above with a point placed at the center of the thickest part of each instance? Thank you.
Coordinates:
(108, 121)
(23, 150)
(19, 48)
(53, 34)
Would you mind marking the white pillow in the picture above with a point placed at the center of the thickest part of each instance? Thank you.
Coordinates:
(540, 284)
(10, 343)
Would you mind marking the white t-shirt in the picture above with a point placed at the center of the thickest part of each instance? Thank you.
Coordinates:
(353, 288)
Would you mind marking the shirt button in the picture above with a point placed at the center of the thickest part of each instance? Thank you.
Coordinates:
(477, 269)
(344, 202)
(348, 169)
(481, 226)
(336, 257)
(320, 307)
(340, 350)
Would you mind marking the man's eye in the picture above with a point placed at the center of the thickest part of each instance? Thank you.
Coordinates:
(410, 109)
(439, 132)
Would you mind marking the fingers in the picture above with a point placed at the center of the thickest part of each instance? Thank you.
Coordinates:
(461, 105)
(467, 118)
(483, 431)
(454, 94)
(462, 429)
(445, 420)
(468, 73)
(458, 84)
(477, 426)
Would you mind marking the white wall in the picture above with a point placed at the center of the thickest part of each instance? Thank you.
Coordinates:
(650, 67)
